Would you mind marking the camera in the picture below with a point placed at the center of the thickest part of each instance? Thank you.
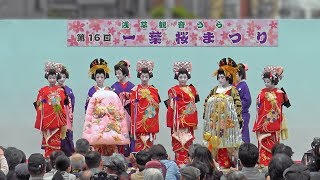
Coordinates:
(104, 176)
(312, 157)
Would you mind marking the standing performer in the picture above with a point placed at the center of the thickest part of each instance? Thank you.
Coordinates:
(245, 97)
(270, 120)
(51, 116)
(144, 108)
(182, 114)
(222, 115)
(67, 145)
(123, 87)
(105, 126)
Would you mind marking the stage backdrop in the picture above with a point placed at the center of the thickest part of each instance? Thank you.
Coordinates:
(25, 45)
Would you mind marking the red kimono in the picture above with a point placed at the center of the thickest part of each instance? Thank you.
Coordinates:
(144, 115)
(269, 120)
(182, 118)
(51, 117)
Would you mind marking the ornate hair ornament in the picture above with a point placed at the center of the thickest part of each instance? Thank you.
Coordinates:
(122, 63)
(275, 72)
(57, 67)
(182, 65)
(229, 68)
(145, 64)
(99, 64)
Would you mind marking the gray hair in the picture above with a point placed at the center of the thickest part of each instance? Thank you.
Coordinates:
(153, 174)
(77, 161)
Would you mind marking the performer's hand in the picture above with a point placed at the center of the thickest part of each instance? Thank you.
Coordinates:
(241, 124)
(133, 161)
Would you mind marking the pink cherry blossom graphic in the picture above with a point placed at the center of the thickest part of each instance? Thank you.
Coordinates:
(273, 25)
(193, 36)
(116, 41)
(272, 38)
(95, 24)
(111, 30)
(140, 38)
(109, 23)
(239, 27)
(72, 41)
(250, 32)
(76, 26)
(221, 42)
(224, 35)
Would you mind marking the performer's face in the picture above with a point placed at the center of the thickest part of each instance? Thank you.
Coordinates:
(62, 79)
(100, 79)
(52, 79)
(119, 75)
(144, 78)
(238, 78)
(222, 79)
(182, 78)
(268, 83)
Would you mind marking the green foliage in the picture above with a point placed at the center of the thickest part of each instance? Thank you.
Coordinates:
(177, 12)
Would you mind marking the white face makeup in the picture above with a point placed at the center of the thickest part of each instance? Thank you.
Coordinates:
(183, 78)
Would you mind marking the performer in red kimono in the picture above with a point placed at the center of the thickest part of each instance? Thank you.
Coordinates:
(222, 115)
(270, 121)
(51, 115)
(144, 108)
(182, 114)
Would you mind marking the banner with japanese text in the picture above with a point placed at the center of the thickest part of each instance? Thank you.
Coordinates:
(173, 32)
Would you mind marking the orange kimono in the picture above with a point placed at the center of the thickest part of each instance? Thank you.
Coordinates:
(51, 117)
(144, 115)
(182, 118)
(269, 121)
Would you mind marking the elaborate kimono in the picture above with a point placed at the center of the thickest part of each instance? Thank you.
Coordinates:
(105, 125)
(51, 117)
(182, 118)
(91, 91)
(144, 116)
(123, 91)
(268, 124)
(67, 145)
(222, 114)
(245, 97)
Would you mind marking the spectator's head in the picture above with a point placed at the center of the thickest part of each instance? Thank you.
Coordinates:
(190, 173)
(77, 162)
(248, 154)
(86, 175)
(236, 175)
(297, 172)
(152, 174)
(158, 152)
(2, 176)
(142, 157)
(281, 148)
(36, 165)
(202, 154)
(22, 172)
(23, 155)
(191, 150)
(13, 156)
(116, 164)
(203, 169)
(53, 157)
(82, 146)
(93, 160)
(62, 165)
(278, 164)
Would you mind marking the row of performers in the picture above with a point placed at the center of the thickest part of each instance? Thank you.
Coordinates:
(124, 117)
